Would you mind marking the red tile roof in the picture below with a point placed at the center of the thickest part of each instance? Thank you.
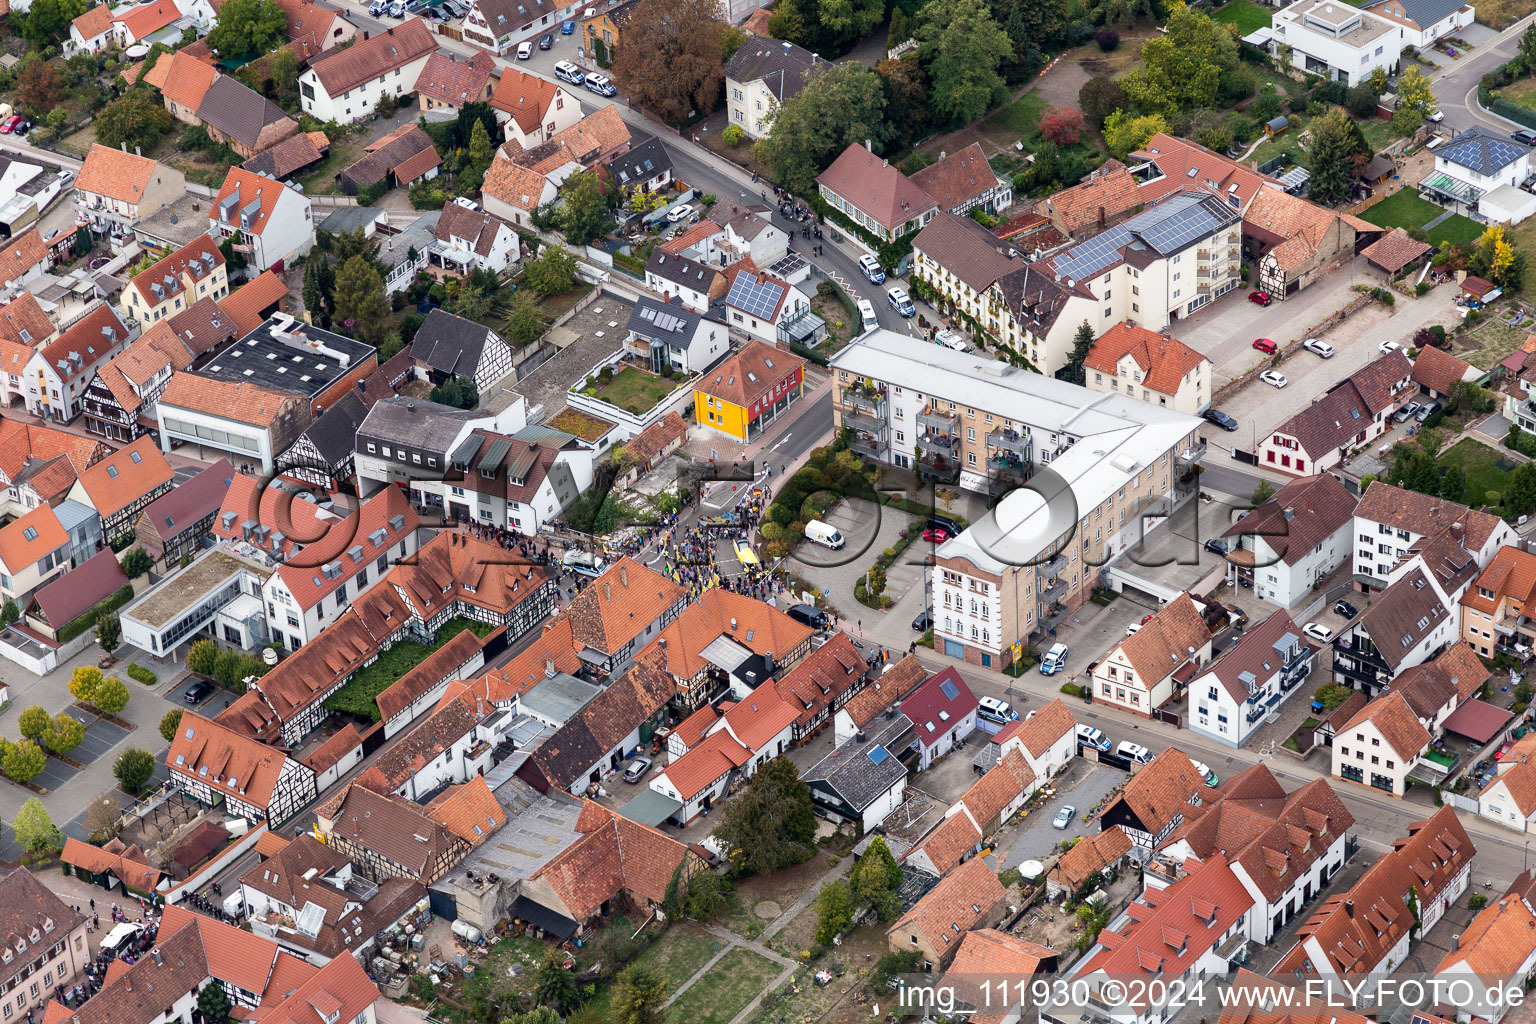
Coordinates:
(873, 186)
(933, 712)
(1164, 360)
(126, 476)
(342, 70)
(247, 305)
(962, 899)
(24, 541)
(216, 756)
(616, 856)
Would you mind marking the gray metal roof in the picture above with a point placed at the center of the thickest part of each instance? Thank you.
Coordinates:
(559, 698)
(1424, 12)
(425, 425)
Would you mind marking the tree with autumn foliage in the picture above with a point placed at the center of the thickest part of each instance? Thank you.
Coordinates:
(1061, 125)
(1496, 258)
(39, 85)
(672, 62)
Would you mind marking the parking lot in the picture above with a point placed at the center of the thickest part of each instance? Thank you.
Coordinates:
(868, 529)
(1174, 554)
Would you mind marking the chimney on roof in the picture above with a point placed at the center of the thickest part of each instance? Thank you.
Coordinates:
(156, 954)
(137, 151)
(1290, 512)
(623, 575)
(1349, 908)
(607, 591)
(549, 668)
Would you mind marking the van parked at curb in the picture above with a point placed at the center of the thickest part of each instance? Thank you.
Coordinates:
(819, 532)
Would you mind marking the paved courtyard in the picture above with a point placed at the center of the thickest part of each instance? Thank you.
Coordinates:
(1035, 837)
(868, 529)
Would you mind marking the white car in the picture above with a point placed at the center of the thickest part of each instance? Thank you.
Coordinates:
(682, 212)
(467, 203)
(1273, 379)
(524, 51)
(1437, 115)
(1388, 347)
(1132, 628)
(1322, 348)
(1322, 634)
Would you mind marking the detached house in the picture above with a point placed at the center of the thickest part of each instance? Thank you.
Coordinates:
(270, 222)
(1479, 170)
(183, 81)
(759, 304)
(193, 272)
(943, 711)
(532, 110)
(1353, 413)
(448, 83)
(1141, 673)
(670, 336)
(694, 284)
(58, 373)
(1283, 548)
(1247, 685)
(874, 195)
(751, 733)
(400, 159)
(346, 84)
(969, 897)
(466, 240)
(91, 32)
(760, 75)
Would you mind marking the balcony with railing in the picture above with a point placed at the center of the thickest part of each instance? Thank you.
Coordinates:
(1010, 442)
(1053, 588)
(863, 407)
(1192, 455)
(1054, 566)
(1202, 254)
(1007, 472)
(939, 466)
(933, 423)
(869, 445)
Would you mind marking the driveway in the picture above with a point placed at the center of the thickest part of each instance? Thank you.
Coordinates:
(1086, 783)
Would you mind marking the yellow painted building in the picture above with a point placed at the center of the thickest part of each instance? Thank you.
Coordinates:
(606, 28)
(748, 391)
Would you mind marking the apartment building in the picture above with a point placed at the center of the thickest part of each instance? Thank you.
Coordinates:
(346, 84)
(986, 426)
(1283, 548)
(270, 222)
(1494, 611)
(1236, 694)
(760, 75)
(58, 374)
(874, 195)
(1402, 628)
(961, 261)
(193, 272)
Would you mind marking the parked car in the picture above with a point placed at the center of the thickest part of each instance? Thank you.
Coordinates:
(997, 711)
(1064, 816)
(9, 124)
(524, 50)
(901, 302)
(1437, 115)
(567, 27)
(936, 534)
(546, 40)
(1132, 629)
(1216, 546)
(197, 692)
(809, 615)
(1260, 298)
(1429, 410)
(568, 72)
(1322, 348)
(1221, 419)
(940, 522)
(24, 127)
(1388, 347)
(1273, 379)
(600, 84)
(66, 176)
(923, 622)
(1133, 752)
(1055, 660)
(638, 767)
(1401, 416)
(681, 212)
(1322, 634)
(1265, 345)
(871, 268)
(1524, 136)
(1345, 609)
(467, 203)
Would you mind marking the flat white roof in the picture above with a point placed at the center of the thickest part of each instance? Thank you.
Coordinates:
(1117, 438)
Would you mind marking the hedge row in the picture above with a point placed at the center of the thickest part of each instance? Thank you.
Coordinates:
(87, 619)
(143, 675)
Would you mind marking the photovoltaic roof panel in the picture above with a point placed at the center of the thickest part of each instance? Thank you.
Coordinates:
(754, 295)
(1482, 152)
(1088, 258)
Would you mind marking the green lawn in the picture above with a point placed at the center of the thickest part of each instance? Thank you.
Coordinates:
(1245, 14)
(1021, 117)
(357, 697)
(1486, 470)
(1405, 209)
(1521, 93)
(1524, 239)
(635, 390)
(739, 977)
(679, 954)
(1378, 133)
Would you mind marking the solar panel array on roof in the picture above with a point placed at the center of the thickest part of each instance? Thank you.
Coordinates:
(1482, 152)
(755, 295)
(1173, 224)
(949, 689)
(1088, 258)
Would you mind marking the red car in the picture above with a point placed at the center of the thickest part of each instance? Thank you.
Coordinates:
(1146, 619)
(10, 124)
(936, 534)
(1262, 298)
(1264, 345)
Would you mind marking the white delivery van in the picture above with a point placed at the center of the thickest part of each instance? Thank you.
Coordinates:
(820, 533)
(867, 318)
(120, 934)
(951, 339)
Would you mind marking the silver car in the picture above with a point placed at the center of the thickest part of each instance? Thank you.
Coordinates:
(637, 768)
(1064, 816)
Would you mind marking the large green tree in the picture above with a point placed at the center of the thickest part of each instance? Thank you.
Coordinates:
(1182, 65)
(64, 734)
(214, 1003)
(35, 831)
(842, 105)
(672, 62)
(551, 272)
(248, 28)
(962, 48)
(554, 985)
(23, 760)
(47, 21)
(1414, 91)
(834, 911)
(906, 97)
(1338, 152)
(361, 307)
(133, 769)
(585, 213)
(133, 120)
(771, 823)
(1527, 51)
